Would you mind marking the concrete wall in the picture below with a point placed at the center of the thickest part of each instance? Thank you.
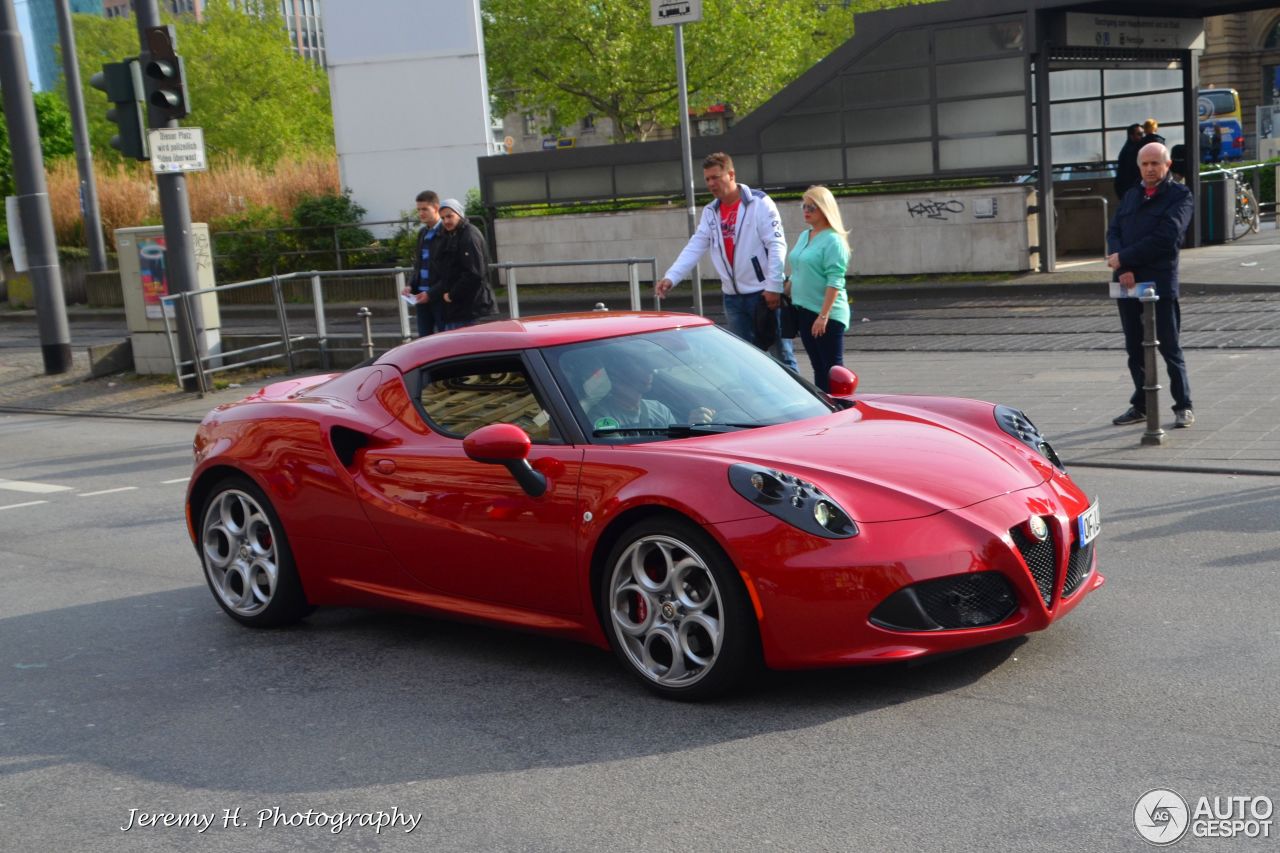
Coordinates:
(949, 231)
(410, 99)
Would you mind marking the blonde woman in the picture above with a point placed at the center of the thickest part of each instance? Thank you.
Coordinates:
(818, 264)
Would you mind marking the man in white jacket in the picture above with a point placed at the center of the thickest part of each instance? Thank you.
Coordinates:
(743, 231)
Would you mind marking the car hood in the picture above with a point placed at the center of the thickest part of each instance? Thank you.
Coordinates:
(888, 463)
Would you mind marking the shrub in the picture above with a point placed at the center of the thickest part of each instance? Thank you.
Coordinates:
(322, 241)
(250, 244)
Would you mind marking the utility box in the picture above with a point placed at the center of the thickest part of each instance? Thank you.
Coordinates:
(1217, 210)
(144, 279)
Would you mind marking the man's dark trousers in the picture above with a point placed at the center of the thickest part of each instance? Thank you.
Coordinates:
(1168, 327)
(430, 319)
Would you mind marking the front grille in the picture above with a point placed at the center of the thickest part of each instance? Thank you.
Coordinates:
(970, 600)
(1040, 558)
(1078, 566)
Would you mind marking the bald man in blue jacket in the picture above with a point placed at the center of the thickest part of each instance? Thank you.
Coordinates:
(1142, 244)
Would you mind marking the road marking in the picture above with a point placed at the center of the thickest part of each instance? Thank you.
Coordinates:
(28, 503)
(107, 492)
(34, 488)
(171, 482)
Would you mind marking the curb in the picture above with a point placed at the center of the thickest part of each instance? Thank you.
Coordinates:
(76, 413)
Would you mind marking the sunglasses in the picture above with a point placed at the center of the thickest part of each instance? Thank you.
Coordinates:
(809, 208)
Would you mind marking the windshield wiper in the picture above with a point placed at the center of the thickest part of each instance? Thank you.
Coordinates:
(674, 430)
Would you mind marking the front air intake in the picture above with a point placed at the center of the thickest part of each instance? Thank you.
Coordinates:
(973, 600)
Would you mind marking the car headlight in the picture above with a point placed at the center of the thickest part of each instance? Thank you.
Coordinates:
(1018, 425)
(795, 501)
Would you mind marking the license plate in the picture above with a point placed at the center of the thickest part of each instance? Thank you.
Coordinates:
(1089, 524)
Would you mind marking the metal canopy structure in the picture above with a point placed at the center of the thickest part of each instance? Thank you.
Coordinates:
(945, 90)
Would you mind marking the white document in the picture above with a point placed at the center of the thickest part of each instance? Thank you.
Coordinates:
(1132, 291)
(411, 299)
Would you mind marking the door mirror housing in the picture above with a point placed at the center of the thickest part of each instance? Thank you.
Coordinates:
(842, 381)
(506, 445)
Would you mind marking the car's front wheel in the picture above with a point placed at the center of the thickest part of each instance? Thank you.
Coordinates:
(246, 557)
(676, 611)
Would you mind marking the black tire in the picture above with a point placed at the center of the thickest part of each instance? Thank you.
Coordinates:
(686, 628)
(246, 557)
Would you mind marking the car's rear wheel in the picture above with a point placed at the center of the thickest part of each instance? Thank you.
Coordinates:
(676, 611)
(246, 557)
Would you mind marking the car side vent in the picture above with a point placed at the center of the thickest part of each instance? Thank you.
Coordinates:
(346, 442)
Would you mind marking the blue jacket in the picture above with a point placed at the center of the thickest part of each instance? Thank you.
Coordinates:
(1147, 232)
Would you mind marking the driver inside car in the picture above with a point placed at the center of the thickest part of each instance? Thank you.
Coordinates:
(626, 405)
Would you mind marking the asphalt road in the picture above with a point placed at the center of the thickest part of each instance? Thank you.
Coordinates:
(123, 687)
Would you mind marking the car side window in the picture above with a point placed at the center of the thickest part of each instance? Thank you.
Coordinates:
(460, 397)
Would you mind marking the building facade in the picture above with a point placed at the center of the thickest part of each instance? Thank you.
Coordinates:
(44, 39)
(527, 131)
(1242, 52)
(302, 17)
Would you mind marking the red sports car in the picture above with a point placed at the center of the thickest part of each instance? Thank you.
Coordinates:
(647, 482)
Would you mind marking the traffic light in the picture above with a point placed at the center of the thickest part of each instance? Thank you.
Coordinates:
(122, 81)
(165, 77)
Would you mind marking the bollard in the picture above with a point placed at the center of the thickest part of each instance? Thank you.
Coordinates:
(322, 333)
(513, 300)
(1154, 434)
(633, 278)
(403, 308)
(366, 315)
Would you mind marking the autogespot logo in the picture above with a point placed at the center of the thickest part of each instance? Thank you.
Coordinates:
(1161, 817)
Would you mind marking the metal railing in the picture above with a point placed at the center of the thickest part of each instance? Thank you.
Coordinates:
(1221, 171)
(289, 345)
(633, 276)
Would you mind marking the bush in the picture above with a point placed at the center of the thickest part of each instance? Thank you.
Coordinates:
(321, 242)
(250, 244)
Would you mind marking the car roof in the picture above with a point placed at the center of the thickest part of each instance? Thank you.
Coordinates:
(535, 332)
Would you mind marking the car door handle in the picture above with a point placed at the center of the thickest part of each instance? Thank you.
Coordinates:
(384, 466)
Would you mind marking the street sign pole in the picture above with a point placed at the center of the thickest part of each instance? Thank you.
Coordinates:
(686, 157)
(677, 13)
(175, 211)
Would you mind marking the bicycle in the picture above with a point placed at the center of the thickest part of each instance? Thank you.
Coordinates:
(1246, 207)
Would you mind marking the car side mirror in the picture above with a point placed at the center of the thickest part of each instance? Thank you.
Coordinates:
(842, 381)
(506, 445)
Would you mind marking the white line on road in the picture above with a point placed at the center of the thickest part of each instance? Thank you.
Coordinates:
(34, 488)
(171, 482)
(107, 492)
(28, 503)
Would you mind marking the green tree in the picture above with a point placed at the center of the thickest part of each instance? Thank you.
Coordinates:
(254, 97)
(605, 58)
(53, 122)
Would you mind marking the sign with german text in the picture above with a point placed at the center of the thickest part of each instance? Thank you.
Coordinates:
(1090, 30)
(666, 12)
(177, 149)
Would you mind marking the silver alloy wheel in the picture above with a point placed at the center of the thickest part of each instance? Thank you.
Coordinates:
(666, 610)
(239, 547)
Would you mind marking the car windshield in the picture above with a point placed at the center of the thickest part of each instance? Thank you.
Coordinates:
(677, 383)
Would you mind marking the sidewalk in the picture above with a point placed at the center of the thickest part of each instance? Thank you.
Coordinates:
(1071, 395)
